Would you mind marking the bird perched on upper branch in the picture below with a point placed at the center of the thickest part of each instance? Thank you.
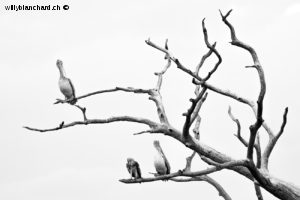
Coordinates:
(133, 168)
(65, 84)
(161, 163)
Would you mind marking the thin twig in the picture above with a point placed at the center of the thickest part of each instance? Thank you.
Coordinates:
(83, 110)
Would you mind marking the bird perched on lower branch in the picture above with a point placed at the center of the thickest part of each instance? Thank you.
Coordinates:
(133, 168)
(161, 163)
(65, 84)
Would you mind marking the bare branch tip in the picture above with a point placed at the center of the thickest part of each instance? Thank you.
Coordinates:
(147, 41)
(229, 109)
(61, 124)
(221, 13)
(226, 15)
(203, 24)
(166, 44)
(286, 109)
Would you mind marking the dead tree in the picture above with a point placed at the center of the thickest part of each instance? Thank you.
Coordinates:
(254, 170)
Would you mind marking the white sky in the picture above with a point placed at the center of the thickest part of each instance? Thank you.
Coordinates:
(102, 46)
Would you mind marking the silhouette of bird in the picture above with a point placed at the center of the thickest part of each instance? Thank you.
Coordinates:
(65, 84)
(161, 163)
(133, 168)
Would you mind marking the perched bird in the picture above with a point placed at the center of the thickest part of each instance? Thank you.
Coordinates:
(133, 168)
(161, 163)
(65, 84)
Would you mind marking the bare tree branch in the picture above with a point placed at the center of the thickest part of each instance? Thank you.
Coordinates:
(189, 162)
(83, 110)
(174, 59)
(189, 117)
(129, 89)
(148, 122)
(213, 49)
(227, 93)
(272, 142)
(210, 86)
(209, 180)
(197, 137)
(198, 107)
(156, 97)
(259, 120)
(188, 174)
(196, 128)
(87, 95)
(204, 57)
(160, 74)
(158, 129)
(258, 192)
(242, 140)
(238, 124)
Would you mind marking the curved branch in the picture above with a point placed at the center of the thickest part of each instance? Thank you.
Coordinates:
(209, 180)
(272, 142)
(213, 49)
(204, 57)
(190, 115)
(148, 122)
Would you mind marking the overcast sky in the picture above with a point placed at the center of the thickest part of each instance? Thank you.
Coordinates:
(102, 46)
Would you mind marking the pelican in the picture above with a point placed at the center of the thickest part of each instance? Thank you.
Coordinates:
(65, 84)
(133, 168)
(161, 163)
